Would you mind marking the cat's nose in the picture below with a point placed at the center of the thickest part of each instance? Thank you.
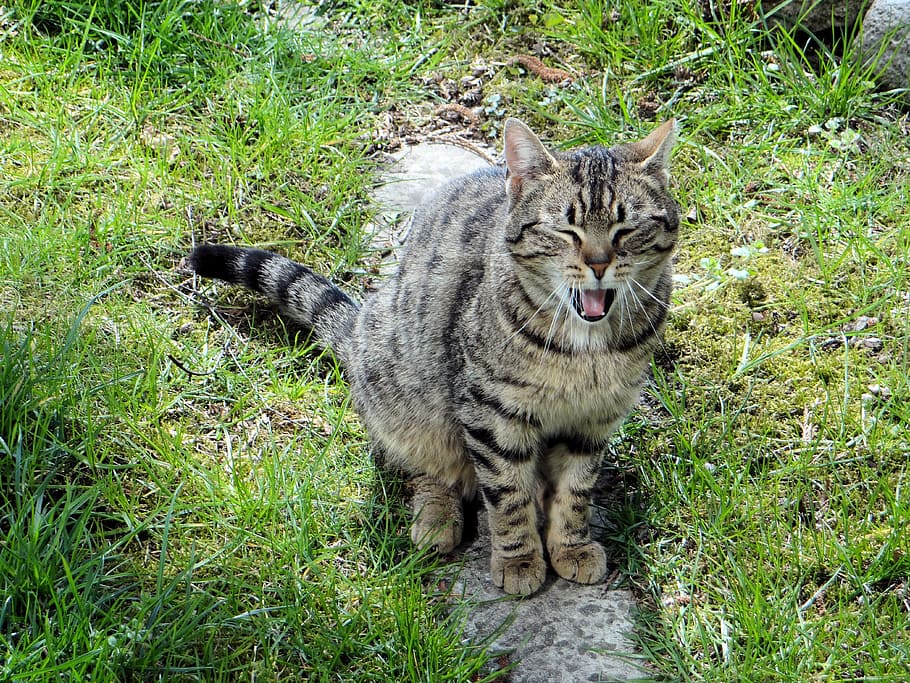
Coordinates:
(599, 268)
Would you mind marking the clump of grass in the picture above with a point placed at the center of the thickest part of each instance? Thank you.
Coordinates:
(72, 602)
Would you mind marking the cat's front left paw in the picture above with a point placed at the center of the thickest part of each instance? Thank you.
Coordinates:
(585, 563)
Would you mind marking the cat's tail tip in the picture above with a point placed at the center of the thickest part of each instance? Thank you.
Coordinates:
(214, 261)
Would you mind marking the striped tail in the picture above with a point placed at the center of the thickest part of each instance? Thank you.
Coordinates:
(302, 295)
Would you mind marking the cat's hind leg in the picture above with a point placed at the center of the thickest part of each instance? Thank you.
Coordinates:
(438, 515)
(436, 473)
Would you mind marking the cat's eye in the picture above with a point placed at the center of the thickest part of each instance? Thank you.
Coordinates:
(620, 234)
(576, 238)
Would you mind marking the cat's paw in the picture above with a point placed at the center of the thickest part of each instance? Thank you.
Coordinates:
(582, 564)
(437, 528)
(442, 538)
(438, 516)
(521, 575)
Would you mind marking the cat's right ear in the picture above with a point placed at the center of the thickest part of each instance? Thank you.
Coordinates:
(526, 158)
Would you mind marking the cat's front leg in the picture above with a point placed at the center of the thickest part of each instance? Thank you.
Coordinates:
(571, 479)
(508, 481)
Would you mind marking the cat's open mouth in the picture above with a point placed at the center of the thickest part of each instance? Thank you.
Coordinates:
(592, 304)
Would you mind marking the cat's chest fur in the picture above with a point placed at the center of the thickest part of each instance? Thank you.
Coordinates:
(565, 375)
(568, 392)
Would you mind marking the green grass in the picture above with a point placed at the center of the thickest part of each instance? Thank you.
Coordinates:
(185, 492)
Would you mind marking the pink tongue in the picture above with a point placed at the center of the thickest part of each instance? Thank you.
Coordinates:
(593, 302)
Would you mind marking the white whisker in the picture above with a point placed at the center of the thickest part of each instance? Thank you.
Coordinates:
(531, 317)
(621, 295)
(563, 288)
(645, 311)
(647, 291)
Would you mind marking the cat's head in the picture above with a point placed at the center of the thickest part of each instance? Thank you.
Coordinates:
(592, 224)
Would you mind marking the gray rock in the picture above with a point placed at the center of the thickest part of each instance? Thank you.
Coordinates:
(296, 16)
(817, 16)
(417, 171)
(886, 41)
(883, 38)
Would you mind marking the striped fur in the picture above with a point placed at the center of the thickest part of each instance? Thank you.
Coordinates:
(303, 296)
(511, 342)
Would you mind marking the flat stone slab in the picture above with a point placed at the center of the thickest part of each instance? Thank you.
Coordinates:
(566, 632)
(417, 171)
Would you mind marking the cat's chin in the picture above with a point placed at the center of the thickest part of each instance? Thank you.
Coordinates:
(592, 305)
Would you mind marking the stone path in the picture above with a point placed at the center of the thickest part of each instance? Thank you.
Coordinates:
(566, 632)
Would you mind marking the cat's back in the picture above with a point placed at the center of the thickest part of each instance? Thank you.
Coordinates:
(404, 367)
(458, 222)
(411, 318)
(447, 247)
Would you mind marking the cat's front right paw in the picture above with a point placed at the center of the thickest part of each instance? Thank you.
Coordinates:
(438, 516)
(521, 575)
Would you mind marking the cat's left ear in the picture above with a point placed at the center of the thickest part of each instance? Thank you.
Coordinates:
(653, 152)
(526, 158)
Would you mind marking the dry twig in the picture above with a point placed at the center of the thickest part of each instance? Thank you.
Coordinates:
(546, 73)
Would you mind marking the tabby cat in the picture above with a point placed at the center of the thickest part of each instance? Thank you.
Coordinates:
(513, 339)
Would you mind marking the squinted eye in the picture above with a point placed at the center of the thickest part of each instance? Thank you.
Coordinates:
(620, 234)
(576, 238)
